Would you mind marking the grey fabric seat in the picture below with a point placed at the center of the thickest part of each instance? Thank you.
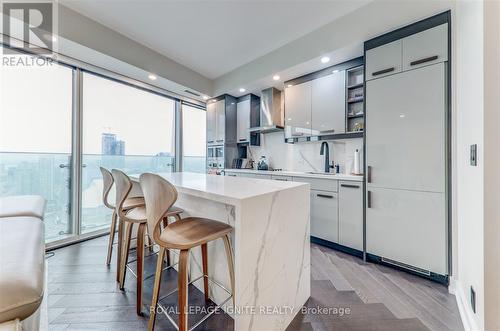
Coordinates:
(22, 205)
(22, 266)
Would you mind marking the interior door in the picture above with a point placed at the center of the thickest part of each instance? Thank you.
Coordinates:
(405, 130)
(408, 227)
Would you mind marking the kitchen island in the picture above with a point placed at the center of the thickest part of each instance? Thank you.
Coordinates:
(270, 241)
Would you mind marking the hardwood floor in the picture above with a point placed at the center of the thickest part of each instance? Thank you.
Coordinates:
(83, 295)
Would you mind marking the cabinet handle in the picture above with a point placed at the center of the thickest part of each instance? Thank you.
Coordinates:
(282, 179)
(369, 174)
(349, 185)
(369, 199)
(384, 71)
(210, 141)
(427, 59)
(221, 140)
(242, 139)
(324, 196)
(231, 175)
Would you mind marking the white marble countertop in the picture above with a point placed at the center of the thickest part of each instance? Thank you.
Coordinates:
(298, 174)
(225, 189)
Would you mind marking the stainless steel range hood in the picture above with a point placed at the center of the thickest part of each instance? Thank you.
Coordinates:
(271, 113)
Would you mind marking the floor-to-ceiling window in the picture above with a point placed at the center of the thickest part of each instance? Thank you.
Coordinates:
(193, 139)
(36, 136)
(125, 128)
(47, 136)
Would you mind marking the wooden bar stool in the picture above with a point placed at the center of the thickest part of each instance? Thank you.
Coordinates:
(183, 235)
(129, 218)
(107, 179)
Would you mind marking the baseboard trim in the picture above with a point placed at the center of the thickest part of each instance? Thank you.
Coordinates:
(466, 313)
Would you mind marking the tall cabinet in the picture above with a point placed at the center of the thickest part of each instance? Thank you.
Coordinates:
(221, 132)
(406, 150)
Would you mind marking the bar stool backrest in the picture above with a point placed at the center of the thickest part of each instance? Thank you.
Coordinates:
(123, 186)
(107, 183)
(159, 196)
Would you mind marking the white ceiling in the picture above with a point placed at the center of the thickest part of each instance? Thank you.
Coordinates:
(213, 37)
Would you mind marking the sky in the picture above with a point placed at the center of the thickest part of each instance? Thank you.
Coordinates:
(35, 114)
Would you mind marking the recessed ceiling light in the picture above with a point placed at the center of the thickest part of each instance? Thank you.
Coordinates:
(152, 77)
(325, 59)
(205, 97)
(335, 71)
(276, 77)
(289, 85)
(242, 90)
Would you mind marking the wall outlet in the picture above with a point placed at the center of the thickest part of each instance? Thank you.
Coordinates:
(473, 299)
(473, 155)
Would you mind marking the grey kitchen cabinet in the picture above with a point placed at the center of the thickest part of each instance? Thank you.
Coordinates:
(405, 143)
(328, 104)
(298, 109)
(324, 215)
(426, 47)
(384, 60)
(211, 123)
(351, 214)
(243, 121)
(408, 227)
(220, 119)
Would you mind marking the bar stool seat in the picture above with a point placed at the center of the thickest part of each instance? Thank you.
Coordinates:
(193, 231)
(138, 214)
(130, 203)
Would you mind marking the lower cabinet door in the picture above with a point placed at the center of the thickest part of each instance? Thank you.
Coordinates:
(351, 214)
(324, 215)
(408, 227)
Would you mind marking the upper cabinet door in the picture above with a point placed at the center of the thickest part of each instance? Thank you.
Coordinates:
(243, 121)
(328, 104)
(211, 123)
(383, 60)
(298, 109)
(220, 117)
(426, 47)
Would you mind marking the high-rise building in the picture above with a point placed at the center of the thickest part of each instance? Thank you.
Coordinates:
(108, 143)
(111, 146)
(119, 147)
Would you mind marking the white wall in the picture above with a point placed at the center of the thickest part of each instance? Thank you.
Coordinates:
(305, 156)
(468, 97)
(491, 165)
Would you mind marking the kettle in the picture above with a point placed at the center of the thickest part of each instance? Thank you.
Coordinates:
(262, 164)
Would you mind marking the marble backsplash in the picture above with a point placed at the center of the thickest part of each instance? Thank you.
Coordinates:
(305, 156)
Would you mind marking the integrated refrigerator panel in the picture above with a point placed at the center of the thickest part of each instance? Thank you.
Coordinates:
(405, 139)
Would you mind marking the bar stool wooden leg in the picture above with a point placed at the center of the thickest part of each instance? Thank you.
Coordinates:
(156, 289)
(204, 258)
(165, 224)
(183, 289)
(119, 249)
(140, 265)
(125, 249)
(111, 237)
(230, 263)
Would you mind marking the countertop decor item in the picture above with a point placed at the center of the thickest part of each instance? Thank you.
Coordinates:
(262, 164)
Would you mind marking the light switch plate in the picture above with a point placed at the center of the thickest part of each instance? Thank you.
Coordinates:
(473, 155)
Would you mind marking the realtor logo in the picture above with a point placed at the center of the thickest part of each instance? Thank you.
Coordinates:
(28, 26)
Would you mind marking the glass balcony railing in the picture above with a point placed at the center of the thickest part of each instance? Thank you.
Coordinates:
(49, 175)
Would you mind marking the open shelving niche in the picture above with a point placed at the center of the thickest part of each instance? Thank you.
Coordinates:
(355, 122)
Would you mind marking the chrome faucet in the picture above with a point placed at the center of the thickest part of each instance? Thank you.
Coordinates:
(325, 150)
